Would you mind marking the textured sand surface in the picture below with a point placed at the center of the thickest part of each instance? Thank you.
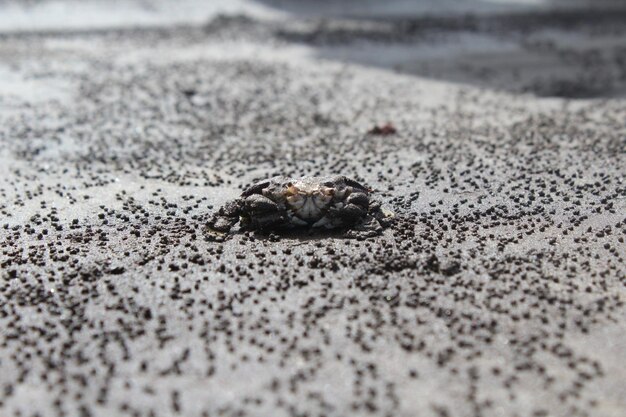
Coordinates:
(498, 291)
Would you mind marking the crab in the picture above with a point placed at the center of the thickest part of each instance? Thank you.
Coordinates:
(334, 202)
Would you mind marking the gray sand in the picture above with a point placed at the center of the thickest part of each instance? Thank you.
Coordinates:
(498, 291)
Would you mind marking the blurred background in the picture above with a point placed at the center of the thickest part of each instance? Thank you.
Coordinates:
(550, 48)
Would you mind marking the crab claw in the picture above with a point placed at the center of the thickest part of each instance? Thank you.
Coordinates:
(231, 209)
(360, 199)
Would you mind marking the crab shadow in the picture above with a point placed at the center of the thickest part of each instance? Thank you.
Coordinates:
(302, 234)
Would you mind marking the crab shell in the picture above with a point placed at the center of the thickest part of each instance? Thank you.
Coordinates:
(308, 202)
(308, 199)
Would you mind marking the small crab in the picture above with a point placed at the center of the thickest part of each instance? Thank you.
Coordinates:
(335, 202)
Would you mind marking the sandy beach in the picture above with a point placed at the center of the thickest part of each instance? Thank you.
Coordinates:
(498, 290)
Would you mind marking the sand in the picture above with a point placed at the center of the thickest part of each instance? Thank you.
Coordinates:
(498, 291)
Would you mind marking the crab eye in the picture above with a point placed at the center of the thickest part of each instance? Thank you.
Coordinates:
(291, 190)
